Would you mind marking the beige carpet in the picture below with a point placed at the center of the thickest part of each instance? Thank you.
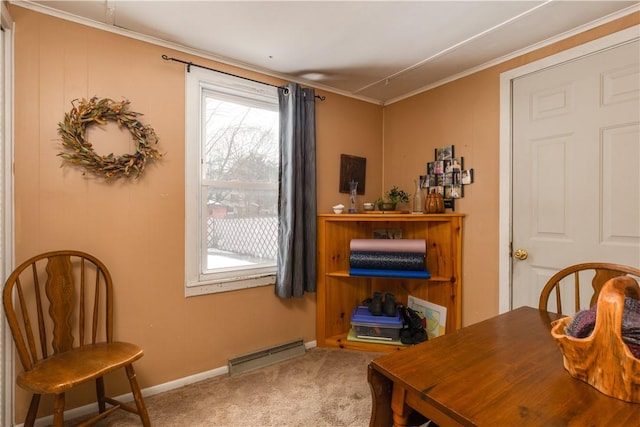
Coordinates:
(324, 387)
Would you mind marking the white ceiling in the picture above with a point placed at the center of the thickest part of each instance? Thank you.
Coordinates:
(380, 51)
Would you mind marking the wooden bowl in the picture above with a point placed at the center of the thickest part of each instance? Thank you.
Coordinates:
(602, 359)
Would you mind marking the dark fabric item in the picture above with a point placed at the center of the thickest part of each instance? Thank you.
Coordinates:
(584, 322)
(390, 307)
(413, 331)
(631, 321)
(296, 262)
(387, 260)
(375, 307)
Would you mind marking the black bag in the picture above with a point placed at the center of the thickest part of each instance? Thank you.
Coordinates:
(412, 331)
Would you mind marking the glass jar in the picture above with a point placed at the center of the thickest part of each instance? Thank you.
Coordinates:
(434, 203)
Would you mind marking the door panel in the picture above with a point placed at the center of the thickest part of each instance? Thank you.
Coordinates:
(576, 174)
(548, 160)
(620, 156)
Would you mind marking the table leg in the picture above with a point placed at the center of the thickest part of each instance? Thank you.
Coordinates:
(381, 388)
(401, 410)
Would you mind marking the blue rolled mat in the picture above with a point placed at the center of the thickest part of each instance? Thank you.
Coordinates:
(400, 274)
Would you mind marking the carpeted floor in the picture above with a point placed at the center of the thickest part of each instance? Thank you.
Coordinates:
(324, 387)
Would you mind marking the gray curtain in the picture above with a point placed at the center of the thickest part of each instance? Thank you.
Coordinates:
(296, 268)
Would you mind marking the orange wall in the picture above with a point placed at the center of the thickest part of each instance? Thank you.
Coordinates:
(137, 226)
(465, 113)
(347, 126)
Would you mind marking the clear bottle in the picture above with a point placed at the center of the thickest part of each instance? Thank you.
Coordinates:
(418, 199)
(353, 191)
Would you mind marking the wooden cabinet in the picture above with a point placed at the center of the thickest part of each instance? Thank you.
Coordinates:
(338, 293)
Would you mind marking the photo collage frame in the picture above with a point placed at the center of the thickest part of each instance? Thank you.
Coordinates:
(447, 176)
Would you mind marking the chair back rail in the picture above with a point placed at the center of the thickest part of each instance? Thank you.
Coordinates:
(559, 283)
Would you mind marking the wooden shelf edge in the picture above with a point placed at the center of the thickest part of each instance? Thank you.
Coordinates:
(340, 341)
(386, 216)
(345, 273)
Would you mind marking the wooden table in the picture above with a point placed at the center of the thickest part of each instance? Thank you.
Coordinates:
(505, 371)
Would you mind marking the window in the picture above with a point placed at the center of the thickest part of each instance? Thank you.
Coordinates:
(232, 164)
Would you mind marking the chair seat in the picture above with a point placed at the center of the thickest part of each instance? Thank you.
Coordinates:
(63, 371)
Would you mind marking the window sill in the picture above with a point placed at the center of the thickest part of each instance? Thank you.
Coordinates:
(204, 288)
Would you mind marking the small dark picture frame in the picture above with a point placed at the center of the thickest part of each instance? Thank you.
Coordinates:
(352, 168)
(444, 153)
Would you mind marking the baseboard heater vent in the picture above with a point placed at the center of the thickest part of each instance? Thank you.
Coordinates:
(266, 357)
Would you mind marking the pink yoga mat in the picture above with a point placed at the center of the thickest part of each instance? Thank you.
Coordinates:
(389, 245)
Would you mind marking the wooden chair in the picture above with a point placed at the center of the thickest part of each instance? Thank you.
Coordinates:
(60, 310)
(568, 280)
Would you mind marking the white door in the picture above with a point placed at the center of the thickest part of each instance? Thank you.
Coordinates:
(576, 167)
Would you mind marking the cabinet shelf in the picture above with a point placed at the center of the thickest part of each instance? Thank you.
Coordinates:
(338, 292)
(345, 273)
(340, 341)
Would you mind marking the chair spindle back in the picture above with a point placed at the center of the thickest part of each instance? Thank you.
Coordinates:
(69, 296)
(561, 282)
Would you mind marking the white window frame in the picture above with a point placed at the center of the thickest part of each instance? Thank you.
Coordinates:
(196, 281)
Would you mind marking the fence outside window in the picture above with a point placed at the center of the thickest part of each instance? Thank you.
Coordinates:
(253, 237)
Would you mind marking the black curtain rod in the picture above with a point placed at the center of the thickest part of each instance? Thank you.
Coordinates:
(191, 64)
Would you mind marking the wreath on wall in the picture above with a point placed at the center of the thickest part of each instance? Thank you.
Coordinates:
(96, 111)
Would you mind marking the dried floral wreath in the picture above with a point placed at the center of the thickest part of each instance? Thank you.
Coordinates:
(98, 111)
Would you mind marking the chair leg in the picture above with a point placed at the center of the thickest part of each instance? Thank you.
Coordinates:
(100, 394)
(30, 419)
(137, 395)
(58, 410)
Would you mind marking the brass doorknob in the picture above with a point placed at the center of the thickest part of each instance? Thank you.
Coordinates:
(521, 254)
